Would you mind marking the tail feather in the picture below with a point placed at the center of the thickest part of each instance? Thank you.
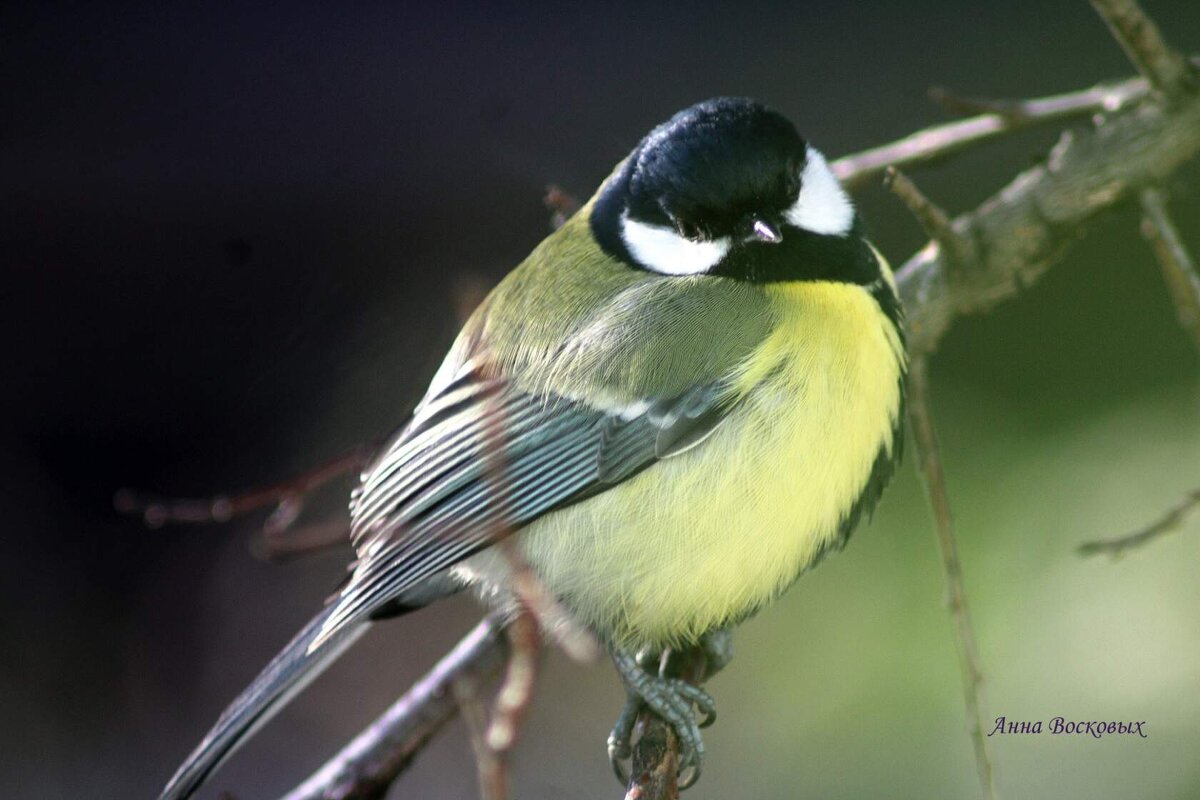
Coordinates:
(287, 674)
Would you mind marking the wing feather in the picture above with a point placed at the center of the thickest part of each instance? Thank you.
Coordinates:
(482, 458)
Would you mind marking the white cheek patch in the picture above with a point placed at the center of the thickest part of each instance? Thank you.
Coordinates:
(661, 249)
(823, 206)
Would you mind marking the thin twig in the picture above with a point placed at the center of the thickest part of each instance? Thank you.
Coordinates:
(1171, 521)
(283, 546)
(1029, 225)
(467, 292)
(1014, 111)
(930, 463)
(493, 784)
(1179, 269)
(366, 766)
(516, 692)
(1166, 69)
(158, 511)
(940, 141)
(572, 638)
(932, 218)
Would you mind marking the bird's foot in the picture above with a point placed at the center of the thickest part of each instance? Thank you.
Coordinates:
(674, 700)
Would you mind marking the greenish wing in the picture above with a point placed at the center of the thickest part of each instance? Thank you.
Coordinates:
(482, 458)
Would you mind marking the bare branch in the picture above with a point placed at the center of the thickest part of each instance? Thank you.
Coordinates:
(1029, 225)
(158, 511)
(493, 777)
(516, 692)
(930, 463)
(572, 638)
(1179, 268)
(367, 765)
(1166, 69)
(282, 546)
(936, 223)
(941, 141)
(467, 292)
(1171, 521)
(1014, 111)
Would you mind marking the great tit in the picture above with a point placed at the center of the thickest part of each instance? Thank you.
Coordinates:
(694, 389)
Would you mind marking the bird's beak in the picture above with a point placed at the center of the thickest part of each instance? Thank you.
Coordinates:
(763, 231)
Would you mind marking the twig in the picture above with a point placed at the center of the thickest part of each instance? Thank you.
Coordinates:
(1016, 112)
(1166, 69)
(573, 639)
(490, 772)
(282, 546)
(159, 511)
(1167, 523)
(1179, 269)
(930, 463)
(1029, 225)
(960, 254)
(940, 141)
(536, 607)
(367, 765)
(516, 692)
(935, 222)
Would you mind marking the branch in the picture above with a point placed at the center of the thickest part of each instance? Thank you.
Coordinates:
(1028, 226)
(1166, 69)
(512, 703)
(366, 767)
(1003, 118)
(933, 220)
(281, 545)
(1179, 269)
(1170, 521)
(285, 495)
(930, 462)
(654, 772)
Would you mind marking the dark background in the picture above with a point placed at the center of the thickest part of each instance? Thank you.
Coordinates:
(231, 237)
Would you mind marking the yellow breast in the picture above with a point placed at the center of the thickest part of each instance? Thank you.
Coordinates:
(705, 537)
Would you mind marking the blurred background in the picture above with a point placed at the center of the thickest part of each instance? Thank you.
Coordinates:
(232, 236)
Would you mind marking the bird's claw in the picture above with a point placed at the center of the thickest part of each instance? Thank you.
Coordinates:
(676, 702)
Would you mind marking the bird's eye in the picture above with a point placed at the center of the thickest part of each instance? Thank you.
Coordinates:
(684, 228)
(688, 230)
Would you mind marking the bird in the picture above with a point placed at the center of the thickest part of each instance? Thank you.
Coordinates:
(694, 390)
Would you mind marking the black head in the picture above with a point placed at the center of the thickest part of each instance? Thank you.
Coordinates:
(725, 187)
(713, 169)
